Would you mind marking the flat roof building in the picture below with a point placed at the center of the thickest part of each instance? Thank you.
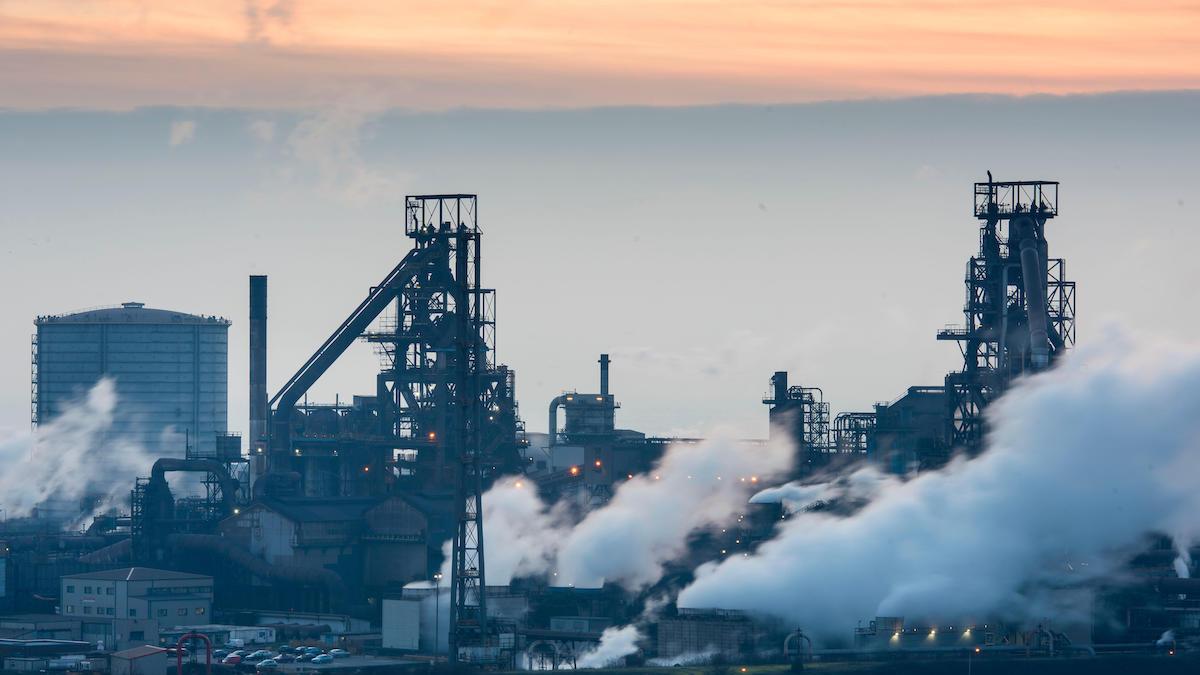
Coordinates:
(123, 606)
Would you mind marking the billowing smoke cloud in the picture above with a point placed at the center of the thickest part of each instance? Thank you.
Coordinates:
(649, 519)
(862, 484)
(71, 458)
(526, 532)
(1083, 462)
(615, 644)
(643, 527)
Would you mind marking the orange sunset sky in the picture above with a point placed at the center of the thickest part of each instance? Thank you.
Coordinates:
(569, 53)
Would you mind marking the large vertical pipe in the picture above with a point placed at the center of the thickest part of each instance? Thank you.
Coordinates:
(1034, 276)
(604, 374)
(258, 362)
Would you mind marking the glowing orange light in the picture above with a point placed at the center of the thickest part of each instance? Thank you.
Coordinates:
(753, 479)
(366, 469)
(574, 471)
(597, 464)
(432, 435)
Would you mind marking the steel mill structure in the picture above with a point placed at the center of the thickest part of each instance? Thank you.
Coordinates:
(334, 518)
(1019, 318)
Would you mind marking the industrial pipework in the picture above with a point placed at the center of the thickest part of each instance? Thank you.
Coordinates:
(1025, 228)
(588, 401)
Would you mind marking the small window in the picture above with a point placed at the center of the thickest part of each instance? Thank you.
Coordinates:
(133, 612)
(162, 612)
(70, 589)
(70, 609)
(108, 611)
(87, 589)
(87, 609)
(137, 635)
(199, 610)
(183, 611)
(108, 591)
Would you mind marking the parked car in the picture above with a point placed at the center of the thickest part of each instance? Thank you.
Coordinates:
(232, 660)
(288, 649)
(339, 653)
(238, 652)
(285, 658)
(322, 659)
(314, 650)
(268, 664)
(304, 658)
(258, 655)
(219, 654)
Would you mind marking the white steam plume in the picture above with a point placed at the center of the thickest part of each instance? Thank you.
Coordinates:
(649, 519)
(862, 484)
(70, 458)
(643, 527)
(1083, 462)
(615, 644)
(523, 534)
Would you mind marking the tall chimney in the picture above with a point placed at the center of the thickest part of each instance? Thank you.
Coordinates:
(258, 362)
(604, 374)
(779, 383)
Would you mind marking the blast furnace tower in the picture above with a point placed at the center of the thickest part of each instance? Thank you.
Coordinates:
(1020, 307)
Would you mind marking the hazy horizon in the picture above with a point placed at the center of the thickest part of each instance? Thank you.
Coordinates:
(704, 247)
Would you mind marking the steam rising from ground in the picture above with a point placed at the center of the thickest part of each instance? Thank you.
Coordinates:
(643, 527)
(71, 458)
(1084, 462)
(615, 644)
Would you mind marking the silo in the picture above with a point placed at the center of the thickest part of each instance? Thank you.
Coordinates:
(170, 370)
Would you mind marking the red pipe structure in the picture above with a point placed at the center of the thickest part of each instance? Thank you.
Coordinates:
(207, 652)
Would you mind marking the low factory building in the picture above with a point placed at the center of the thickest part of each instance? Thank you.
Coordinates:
(124, 608)
(375, 542)
(143, 660)
(169, 597)
(692, 632)
(221, 634)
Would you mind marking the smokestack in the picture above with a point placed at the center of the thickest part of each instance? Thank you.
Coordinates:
(604, 374)
(258, 361)
(779, 383)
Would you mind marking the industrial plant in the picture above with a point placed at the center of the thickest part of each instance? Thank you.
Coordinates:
(376, 523)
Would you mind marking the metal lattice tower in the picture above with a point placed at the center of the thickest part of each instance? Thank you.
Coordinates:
(444, 416)
(470, 392)
(1020, 308)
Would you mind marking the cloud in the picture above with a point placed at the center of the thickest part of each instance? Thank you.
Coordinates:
(1083, 463)
(327, 145)
(182, 132)
(259, 18)
(263, 130)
